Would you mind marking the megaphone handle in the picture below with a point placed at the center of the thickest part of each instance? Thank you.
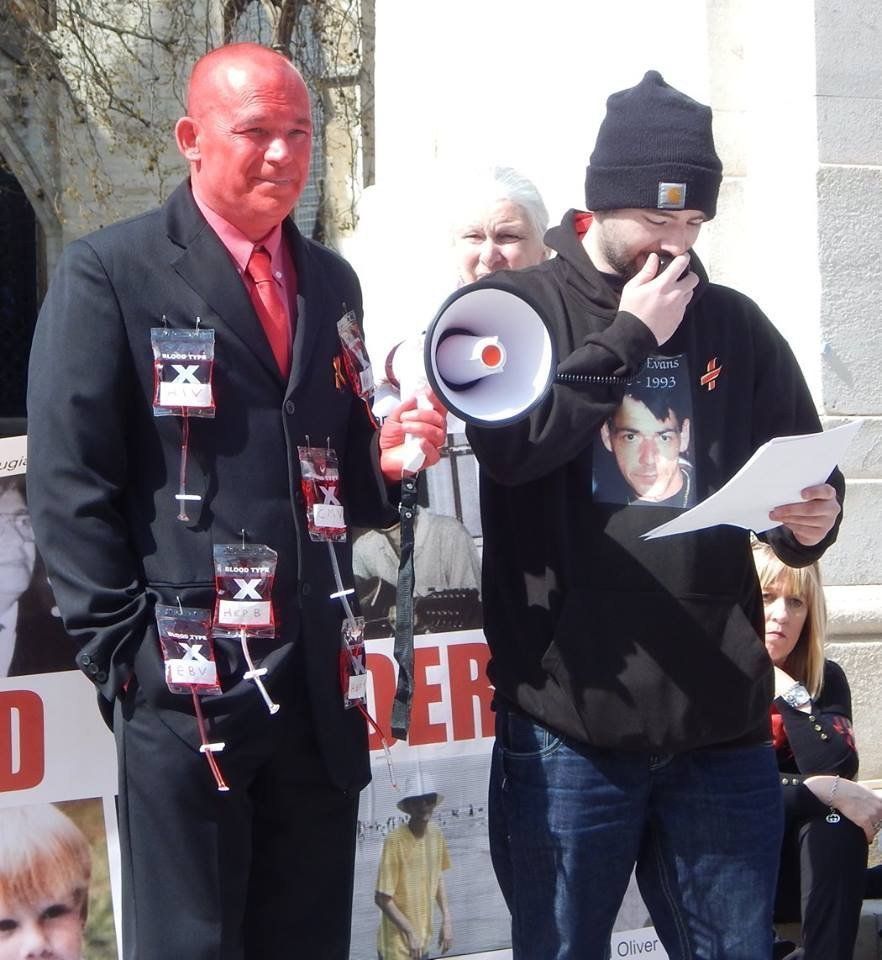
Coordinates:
(414, 458)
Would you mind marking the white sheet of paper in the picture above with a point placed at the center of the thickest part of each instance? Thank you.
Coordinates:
(776, 474)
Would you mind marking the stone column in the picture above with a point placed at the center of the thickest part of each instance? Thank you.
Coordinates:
(849, 195)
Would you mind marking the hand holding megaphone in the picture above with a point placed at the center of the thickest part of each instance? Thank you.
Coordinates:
(462, 359)
(412, 435)
(406, 364)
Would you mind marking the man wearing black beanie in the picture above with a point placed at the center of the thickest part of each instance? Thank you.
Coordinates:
(633, 687)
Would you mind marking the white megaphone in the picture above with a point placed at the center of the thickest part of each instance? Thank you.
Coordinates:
(488, 355)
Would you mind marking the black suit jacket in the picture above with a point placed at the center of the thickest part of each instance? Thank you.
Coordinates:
(42, 645)
(103, 471)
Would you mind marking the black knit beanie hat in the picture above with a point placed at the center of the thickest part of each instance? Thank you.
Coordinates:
(654, 150)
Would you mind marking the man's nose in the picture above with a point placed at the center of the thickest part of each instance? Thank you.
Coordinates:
(676, 239)
(648, 452)
(278, 150)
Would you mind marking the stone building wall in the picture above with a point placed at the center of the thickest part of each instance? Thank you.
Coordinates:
(849, 200)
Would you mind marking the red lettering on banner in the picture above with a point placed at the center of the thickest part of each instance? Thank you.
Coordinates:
(462, 683)
(422, 730)
(382, 673)
(22, 752)
(468, 681)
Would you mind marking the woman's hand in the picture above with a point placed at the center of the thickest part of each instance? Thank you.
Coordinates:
(783, 681)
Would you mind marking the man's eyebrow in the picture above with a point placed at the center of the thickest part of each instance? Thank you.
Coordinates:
(655, 433)
(669, 215)
(263, 120)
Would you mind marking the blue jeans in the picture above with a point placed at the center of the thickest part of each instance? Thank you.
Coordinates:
(568, 823)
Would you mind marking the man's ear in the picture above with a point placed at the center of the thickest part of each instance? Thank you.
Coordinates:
(187, 138)
(684, 436)
(605, 437)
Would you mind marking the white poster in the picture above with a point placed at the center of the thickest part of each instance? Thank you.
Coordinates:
(59, 846)
(447, 755)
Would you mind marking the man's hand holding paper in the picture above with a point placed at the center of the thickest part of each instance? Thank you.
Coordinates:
(782, 483)
(812, 518)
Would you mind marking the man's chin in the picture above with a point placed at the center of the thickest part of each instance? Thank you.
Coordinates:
(644, 491)
(630, 270)
(652, 496)
(262, 214)
(284, 189)
(14, 581)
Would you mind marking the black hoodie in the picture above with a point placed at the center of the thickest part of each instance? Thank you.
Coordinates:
(600, 635)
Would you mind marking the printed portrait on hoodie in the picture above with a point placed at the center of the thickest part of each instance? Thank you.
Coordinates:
(642, 453)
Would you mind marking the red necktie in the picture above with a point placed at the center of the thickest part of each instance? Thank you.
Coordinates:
(268, 305)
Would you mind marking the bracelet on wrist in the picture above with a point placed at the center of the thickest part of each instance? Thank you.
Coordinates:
(833, 791)
(833, 815)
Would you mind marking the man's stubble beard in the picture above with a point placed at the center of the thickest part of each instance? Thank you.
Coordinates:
(617, 257)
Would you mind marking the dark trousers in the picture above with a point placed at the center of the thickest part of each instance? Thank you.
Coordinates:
(263, 871)
(821, 883)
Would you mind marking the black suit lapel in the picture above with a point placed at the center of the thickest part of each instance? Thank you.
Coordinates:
(206, 266)
(312, 307)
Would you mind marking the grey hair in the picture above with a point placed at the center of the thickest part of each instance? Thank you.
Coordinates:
(502, 183)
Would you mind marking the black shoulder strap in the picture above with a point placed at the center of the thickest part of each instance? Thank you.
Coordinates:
(404, 612)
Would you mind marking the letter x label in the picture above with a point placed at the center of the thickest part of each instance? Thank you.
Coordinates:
(247, 589)
(330, 495)
(191, 652)
(185, 374)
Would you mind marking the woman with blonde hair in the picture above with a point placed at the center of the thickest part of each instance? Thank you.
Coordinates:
(830, 820)
(45, 869)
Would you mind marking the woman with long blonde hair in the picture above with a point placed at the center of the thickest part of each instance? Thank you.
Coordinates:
(830, 820)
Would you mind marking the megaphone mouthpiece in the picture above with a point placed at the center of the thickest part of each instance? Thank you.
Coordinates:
(462, 359)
